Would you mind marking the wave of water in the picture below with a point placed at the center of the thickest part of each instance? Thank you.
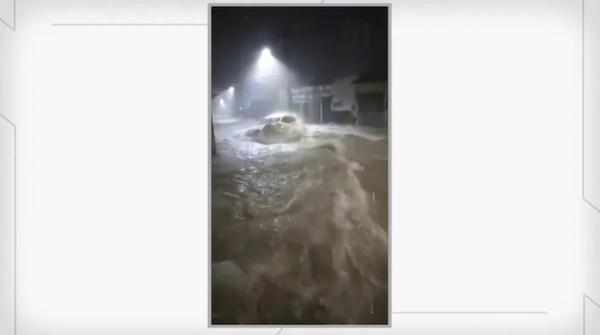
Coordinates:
(298, 222)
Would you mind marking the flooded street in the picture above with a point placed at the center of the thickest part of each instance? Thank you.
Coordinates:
(300, 229)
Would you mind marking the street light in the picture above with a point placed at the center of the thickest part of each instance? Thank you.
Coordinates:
(265, 52)
(266, 63)
(268, 79)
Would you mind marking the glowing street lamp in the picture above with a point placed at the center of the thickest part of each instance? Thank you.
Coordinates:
(271, 76)
(266, 63)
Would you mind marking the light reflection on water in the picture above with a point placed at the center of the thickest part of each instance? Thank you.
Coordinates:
(306, 222)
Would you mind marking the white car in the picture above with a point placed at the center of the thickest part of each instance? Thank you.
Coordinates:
(278, 128)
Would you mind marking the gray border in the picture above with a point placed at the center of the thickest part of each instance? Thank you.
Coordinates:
(209, 154)
(322, 3)
(124, 24)
(583, 153)
(472, 312)
(585, 299)
(583, 77)
(14, 29)
(14, 25)
(14, 126)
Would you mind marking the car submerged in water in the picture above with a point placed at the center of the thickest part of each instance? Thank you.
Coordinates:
(278, 128)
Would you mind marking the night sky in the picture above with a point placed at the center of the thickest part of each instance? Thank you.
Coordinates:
(319, 44)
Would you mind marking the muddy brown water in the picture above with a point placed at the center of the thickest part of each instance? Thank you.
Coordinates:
(299, 230)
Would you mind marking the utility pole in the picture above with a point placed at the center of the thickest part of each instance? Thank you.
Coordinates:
(212, 127)
(212, 132)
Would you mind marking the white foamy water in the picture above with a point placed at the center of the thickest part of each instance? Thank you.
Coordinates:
(305, 222)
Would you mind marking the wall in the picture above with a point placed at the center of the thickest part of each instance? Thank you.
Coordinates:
(372, 119)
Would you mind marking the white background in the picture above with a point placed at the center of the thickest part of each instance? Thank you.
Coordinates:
(486, 138)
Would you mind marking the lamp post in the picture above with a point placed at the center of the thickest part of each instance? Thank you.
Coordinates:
(212, 130)
(212, 133)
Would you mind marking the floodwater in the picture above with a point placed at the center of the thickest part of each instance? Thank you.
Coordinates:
(299, 229)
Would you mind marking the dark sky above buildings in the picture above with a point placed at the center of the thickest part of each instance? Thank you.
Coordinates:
(319, 44)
